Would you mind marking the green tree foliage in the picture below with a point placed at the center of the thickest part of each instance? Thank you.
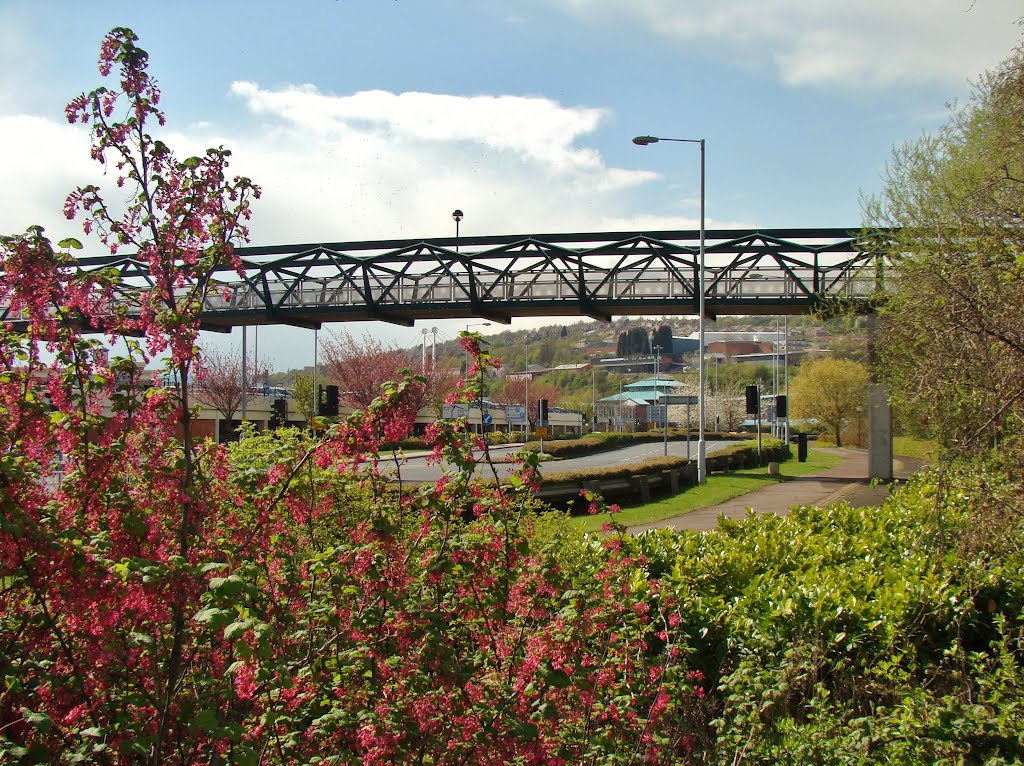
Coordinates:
(953, 341)
(302, 391)
(735, 376)
(832, 391)
(634, 342)
(662, 337)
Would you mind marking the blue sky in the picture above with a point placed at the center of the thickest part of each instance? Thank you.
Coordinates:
(374, 119)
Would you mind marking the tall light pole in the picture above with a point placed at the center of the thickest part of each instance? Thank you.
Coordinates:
(785, 367)
(701, 446)
(245, 375)
(475, 324)
(316, 364)
(526, 425)
(657, 386)
(593, 397)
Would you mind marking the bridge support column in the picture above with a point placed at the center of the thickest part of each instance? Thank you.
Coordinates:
(879, 433)
(641, 486)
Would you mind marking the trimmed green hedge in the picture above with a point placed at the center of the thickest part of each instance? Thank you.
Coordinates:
(741, 455)
(654, 465)
(593, 444)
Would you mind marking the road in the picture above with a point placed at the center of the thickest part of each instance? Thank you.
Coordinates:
(416, 469)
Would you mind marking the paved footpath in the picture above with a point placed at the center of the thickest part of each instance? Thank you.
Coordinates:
(846, 482)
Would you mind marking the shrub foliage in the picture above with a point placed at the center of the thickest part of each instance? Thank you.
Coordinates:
(274, 602)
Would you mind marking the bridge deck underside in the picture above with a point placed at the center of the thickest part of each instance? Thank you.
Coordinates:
(498, 278)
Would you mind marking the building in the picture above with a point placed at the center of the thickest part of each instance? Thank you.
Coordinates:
(635, 406)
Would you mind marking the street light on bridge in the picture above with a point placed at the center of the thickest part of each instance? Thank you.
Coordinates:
(701, 447)
(457, 215)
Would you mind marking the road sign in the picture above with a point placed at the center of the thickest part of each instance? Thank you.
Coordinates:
(541, 432)
(677, 399)
(488, 419)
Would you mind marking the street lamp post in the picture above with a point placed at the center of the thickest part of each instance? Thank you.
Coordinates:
(593, 398)
(701, 446)
(475, 324)
(526, 425)
(657, 387)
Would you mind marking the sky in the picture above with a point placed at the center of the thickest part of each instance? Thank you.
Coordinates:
(375, 119)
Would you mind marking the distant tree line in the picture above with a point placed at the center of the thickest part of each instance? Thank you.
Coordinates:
(636, 342)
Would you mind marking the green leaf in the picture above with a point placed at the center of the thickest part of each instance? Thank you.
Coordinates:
(526, 730)
(227, 586)
(40, 720)
(206, 720)
(213, 616)
(70, 243)
(236, 629)
(559, 679)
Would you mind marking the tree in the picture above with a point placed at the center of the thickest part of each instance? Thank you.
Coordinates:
(663, 337)
(832, 391)
(360, 368)
(107, 556)
(634, 342)
(951, 340)
(727, 408)
(440, 381)
(275, 600)
(218, 380)
(302, 393)
(739, 374)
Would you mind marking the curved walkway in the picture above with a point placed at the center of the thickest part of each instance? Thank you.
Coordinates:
(846, 482)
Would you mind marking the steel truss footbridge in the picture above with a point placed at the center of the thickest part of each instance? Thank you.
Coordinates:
(600, 275)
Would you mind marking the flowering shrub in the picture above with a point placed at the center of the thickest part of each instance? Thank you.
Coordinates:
(276, 601)
(166, 601)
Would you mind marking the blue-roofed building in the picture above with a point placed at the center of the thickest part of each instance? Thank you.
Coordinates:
(635, 405)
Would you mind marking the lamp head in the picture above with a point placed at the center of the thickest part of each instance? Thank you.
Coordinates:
(644, 140)
(457, 215)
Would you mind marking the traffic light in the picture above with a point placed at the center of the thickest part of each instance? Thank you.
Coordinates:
(753, 401)
(543, 410)
(331, 404)
(780, 406)
(327, 399)
(279, 416)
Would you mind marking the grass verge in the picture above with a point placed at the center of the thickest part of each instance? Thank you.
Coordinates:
(907, 446)
(718, 489)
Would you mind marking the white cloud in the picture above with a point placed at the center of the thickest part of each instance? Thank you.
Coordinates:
(862, 44)
(534, 128)
(43, 162)
(370, 165)
(376, 164)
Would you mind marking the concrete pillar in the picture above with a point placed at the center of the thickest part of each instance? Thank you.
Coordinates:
(673, 479)
(879, 433)
(641, 486)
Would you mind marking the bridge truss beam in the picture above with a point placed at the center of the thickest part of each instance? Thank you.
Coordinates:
(600, 275)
